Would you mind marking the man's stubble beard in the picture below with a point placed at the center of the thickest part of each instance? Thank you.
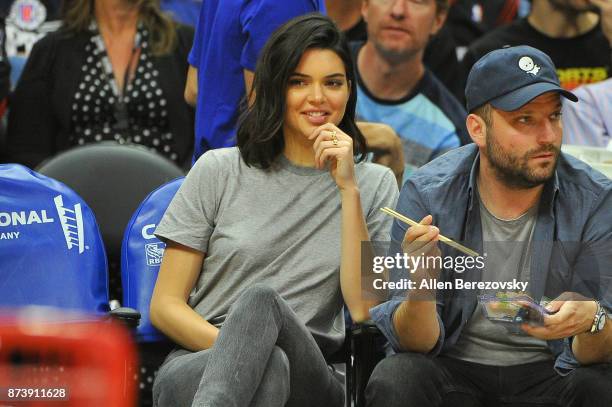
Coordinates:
(513, 171)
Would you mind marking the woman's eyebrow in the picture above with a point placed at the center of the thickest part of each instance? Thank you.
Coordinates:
(333, 75)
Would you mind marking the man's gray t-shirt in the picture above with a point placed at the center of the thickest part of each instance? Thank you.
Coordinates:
(280, 227)
(507, 244)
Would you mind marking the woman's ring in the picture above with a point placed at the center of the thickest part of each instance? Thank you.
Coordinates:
(334, 138)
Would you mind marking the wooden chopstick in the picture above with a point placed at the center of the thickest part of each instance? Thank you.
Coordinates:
(444, 239)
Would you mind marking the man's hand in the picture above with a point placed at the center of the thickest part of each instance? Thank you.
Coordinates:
(422, 239)
(605, 8)
(415, 320)
(573, 315)
(421, 242)
(386, 145)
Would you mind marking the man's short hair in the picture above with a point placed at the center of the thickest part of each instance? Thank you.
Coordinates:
(485, 113)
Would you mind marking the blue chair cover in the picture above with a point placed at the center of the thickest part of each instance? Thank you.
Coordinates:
(141, 255)
(51, 251)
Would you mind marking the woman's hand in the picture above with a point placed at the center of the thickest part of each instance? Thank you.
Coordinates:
(333, 145)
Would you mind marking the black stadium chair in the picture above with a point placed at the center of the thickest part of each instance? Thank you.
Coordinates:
(113, 179)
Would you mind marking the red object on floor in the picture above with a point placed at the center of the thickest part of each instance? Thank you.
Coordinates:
(79, 363)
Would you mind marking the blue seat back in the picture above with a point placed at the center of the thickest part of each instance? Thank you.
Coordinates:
(141, 255)
(51, 251)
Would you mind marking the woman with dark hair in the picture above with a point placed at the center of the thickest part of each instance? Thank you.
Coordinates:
(263, 239)
(114, 71)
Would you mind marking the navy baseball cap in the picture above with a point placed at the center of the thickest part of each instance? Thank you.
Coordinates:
(508, 78)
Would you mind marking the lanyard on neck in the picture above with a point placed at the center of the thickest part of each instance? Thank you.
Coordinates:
(120, 111)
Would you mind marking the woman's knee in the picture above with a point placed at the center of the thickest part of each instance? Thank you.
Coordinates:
(258, 295)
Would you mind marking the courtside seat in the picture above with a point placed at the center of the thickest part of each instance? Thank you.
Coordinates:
(51, 251)
(113, 179)
(54, 329)
(141, 256)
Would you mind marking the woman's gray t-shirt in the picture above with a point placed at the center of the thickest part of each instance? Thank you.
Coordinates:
(280, 227)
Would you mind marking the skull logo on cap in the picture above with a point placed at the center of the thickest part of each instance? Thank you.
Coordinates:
(527, 65)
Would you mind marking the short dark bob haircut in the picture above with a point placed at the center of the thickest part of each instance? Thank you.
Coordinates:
(260, 132)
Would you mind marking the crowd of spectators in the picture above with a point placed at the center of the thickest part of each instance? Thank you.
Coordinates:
(421, 81)
(401, 92)
(404, 90)
(117, 76)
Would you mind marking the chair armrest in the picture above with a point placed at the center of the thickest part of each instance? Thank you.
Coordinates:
(364, 328)
(129, 316)
(367, 350)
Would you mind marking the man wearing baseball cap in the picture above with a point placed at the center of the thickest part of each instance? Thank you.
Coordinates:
(536, 216)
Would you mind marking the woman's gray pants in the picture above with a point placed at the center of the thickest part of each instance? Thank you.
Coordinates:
(263, 357)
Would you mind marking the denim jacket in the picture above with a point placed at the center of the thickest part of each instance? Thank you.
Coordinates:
(572, 238)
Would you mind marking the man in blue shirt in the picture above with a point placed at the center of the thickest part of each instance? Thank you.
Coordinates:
(395, 87)
(539, 217)
(229, 36)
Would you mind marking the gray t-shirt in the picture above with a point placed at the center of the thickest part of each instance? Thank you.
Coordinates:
(280, 227)
(507, 244)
